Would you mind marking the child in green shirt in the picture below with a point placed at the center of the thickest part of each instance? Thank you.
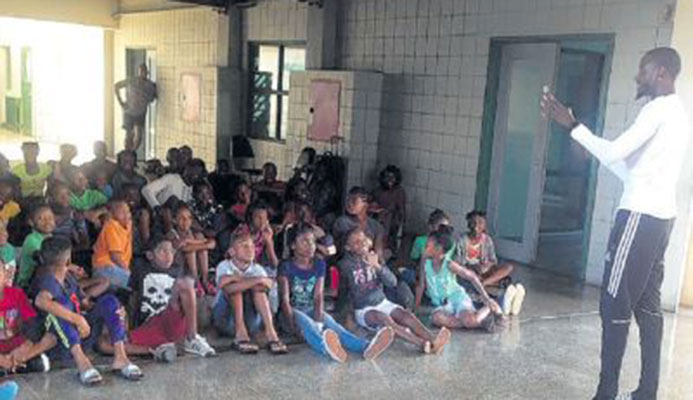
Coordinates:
(7, 251)
(42, 221)
(83, 198)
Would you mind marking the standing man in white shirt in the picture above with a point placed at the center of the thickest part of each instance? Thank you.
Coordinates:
(648, 158)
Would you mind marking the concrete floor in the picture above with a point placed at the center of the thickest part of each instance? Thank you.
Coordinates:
(550, 352)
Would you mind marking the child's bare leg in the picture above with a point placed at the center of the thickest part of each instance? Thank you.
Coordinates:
(191, 262)
(184, 298)
(203, 264)
(29, 350)
(377, 318)
(83, 363)
(497, 273)
(408, 319)
(239, 319)
(106, 347)
(262, 305)
(95, 287)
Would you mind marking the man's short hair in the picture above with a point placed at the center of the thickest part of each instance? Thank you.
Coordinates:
(665, 57)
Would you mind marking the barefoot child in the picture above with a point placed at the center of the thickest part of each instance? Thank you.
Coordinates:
(243, 294)
(302, 281)
(454, 308)
(366, 279)
(166, 306)
(63, 302)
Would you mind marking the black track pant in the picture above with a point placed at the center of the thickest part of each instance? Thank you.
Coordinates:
(632, 280)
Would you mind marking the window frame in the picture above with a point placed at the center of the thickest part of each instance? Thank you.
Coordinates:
(279, 92)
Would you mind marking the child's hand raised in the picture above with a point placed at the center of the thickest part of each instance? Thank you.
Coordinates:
(373, 260)
(267, 234)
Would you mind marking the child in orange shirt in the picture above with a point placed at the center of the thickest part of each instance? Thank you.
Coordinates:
(113, 248)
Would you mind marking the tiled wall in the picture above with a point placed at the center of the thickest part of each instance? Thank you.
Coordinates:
(360, 100)
(276, 20)
(186, 41)
(435, 55)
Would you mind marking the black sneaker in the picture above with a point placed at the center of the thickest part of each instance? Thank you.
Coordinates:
(40, 363)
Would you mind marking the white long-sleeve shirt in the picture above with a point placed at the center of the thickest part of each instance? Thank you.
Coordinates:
(647, 157)
(159, 191)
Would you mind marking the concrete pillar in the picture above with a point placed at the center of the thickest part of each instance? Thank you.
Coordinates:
(322, 35)
(109, 81)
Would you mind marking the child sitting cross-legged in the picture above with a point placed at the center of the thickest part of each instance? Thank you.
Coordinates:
(166, 306)
(113, 248)
(243, 294)
(301, 282)
(366, 277)
(438, 276)
(75, 318)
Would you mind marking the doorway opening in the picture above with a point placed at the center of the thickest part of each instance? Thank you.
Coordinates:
(133, 59)
(535, 182)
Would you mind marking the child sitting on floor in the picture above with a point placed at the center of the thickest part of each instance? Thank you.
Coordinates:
(205, 209)
(302, 282)
(192, 249)
(113, 248)
(90, 202)
(476, 252)
(243, 287)
(241, 200)
(22, 339)
(62, 300)
(365, 278)
(102, 185)
(42, 220)
(392, 198)
(438, 273)
(68, 223)
(166, 306)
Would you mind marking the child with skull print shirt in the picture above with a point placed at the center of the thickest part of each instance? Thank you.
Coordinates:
(166, 306)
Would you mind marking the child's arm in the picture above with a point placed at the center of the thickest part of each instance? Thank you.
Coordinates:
(144, 224)
(268, 237)
(285, 301)
(237, 284)
(44, 302)
(319, 300)
(469, 275)
(197, 245)
(117, 259)
(420, 284)
(386, 276)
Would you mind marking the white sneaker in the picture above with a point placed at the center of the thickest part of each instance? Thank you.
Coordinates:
(508, 297)
(518, 300)
(199, 346)
(166, 352)
(624, 396)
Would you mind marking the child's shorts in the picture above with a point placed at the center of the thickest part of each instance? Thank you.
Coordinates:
(166, 327)
(386, 307)
(456, 308)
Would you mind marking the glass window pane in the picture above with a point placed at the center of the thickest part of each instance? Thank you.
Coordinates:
(263, 115)
(294, 60)
(268, 64)
(285, 116)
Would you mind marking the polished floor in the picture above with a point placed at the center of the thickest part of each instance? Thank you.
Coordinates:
(550, 352)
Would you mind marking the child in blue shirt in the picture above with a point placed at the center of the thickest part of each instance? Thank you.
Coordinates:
(302, 283)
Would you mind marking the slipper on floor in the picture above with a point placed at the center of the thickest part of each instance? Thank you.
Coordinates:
(90, 377)
(277, 347)
(245, 347)
(130, 372)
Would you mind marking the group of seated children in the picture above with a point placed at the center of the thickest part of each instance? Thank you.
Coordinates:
(121, 263)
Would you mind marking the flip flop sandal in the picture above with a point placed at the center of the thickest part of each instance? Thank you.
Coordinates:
(90, 377)
(245, 347)
(130, 372)
(277, 347)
